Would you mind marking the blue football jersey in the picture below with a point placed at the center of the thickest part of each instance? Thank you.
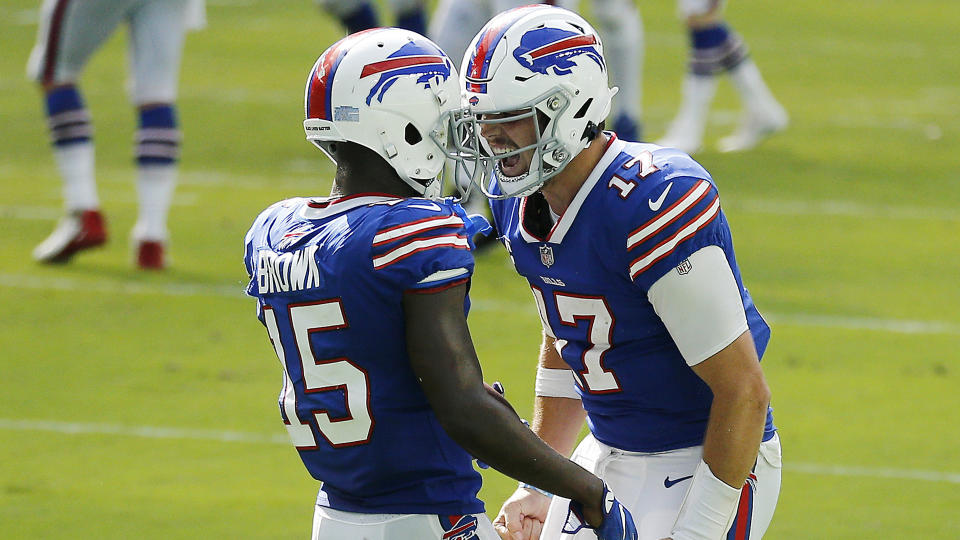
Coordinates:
(640, 214)
(329, 277)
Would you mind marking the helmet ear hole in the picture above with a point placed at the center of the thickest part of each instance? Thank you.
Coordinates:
(412, 135)
(583, 110)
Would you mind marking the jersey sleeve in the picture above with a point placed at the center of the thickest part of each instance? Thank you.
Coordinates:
(259, 236)
(421, 249)
(676, 218)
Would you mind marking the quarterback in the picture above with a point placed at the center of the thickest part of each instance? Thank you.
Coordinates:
(648, 331)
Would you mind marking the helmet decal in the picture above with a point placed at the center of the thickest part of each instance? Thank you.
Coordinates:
(320, 89)
(545, 48)
(411, 59)
(479, 66)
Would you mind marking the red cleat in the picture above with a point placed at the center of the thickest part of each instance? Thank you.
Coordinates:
(150, 255)
(76, 232)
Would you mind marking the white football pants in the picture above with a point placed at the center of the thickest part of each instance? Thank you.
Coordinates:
(330, 524)
(652, 487)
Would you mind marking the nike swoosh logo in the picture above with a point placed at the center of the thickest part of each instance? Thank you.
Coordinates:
(656, 204)
(428, 206)
(668, 483)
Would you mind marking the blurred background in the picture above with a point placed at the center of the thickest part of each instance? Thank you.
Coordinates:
(138, 404)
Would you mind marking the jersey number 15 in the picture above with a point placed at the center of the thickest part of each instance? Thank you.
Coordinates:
(321, 375)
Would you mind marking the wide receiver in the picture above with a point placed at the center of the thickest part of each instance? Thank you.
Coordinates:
(364, 297)
(648, 331)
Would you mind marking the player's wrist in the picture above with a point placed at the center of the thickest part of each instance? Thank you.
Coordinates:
(531, 487)
(555, 383)
(708, 508)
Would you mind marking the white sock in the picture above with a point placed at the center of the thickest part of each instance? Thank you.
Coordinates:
(753, 91)
(76, 164)
(155, 185)
(691, 119)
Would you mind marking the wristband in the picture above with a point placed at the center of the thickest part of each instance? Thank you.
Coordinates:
(525, 485)
(707, 509)
(555, 383)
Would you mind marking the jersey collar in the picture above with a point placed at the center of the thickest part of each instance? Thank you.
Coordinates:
(323, 207)
(560, 228)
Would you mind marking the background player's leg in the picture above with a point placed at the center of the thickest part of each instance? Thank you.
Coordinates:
(68, 34)
(83, 225)
(716, 48)
(157, 35)
(354, 15)
(711, 48)
(762, 114)
(410, 14)
(621, 29)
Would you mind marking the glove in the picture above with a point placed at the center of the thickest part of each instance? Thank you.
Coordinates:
(617, 521)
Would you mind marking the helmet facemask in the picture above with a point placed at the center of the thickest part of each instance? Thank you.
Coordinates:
(550, 154)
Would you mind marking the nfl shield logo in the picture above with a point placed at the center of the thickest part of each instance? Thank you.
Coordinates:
(546, 255)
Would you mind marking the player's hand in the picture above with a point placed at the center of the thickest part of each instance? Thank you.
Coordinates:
(521, 516)
(617, 522)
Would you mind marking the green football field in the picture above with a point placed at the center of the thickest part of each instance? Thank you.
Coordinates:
(144, 405)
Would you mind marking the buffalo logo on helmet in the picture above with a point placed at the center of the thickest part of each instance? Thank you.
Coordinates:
(548, 49)
(411, 59)
(459, 527)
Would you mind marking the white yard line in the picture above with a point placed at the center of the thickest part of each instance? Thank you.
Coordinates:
(159, 432)
(784, 207)
(115, 286)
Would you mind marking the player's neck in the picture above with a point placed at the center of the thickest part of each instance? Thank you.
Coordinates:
(560, 190)
(360, 170)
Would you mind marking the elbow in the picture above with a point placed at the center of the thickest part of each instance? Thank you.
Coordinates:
(756, 393)
(458, 417)
(752, 393)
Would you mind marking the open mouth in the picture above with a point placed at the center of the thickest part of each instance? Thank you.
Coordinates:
(511, 165)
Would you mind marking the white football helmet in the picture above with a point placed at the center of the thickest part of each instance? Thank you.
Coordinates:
(542, 62)
(392, 91)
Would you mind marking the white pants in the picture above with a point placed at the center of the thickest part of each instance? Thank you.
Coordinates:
(330, 524)
(70, 31)
(652, 487)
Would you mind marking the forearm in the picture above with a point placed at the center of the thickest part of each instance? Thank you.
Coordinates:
(558, 413)
(558, 422)
(733, 436)
(527, 458)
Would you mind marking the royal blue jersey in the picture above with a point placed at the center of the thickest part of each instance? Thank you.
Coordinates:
(329, 276)
(640, 214)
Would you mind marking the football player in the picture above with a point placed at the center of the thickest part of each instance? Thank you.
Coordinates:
(69, 33)
(716, 49)
(364, 297)
(648, 331)
(357, 15)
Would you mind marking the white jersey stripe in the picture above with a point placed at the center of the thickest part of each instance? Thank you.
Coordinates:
(444, 274)
(670, 215)
(393, 233)
(664, 249)
(447, 240)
